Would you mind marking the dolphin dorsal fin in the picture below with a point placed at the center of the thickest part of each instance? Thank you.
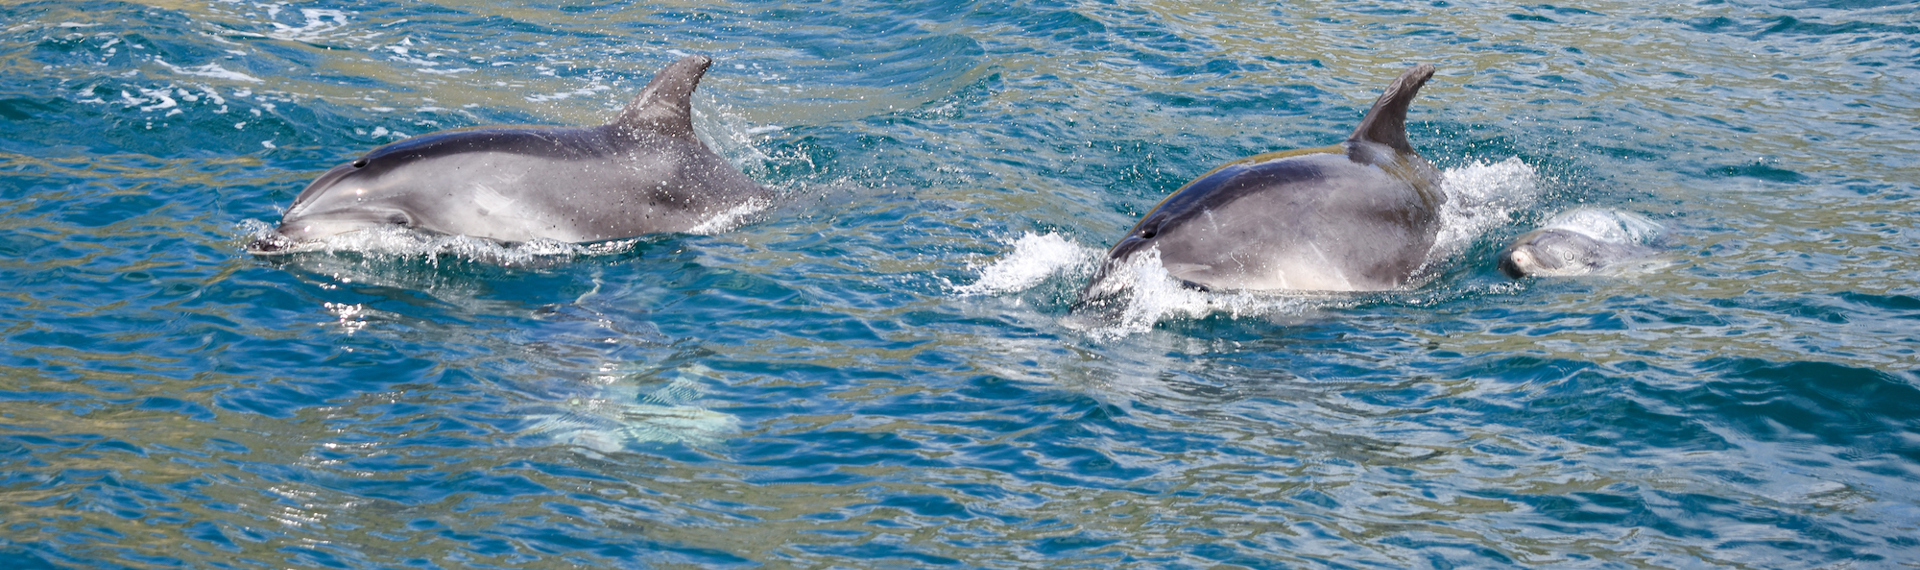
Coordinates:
(1386, 123)
(664, 106)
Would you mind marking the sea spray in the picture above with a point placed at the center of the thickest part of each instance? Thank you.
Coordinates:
(1033, 260)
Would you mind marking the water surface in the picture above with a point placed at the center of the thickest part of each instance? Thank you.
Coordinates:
(882, 371)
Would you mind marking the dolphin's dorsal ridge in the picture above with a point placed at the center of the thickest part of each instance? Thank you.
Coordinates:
(1386, 123)
(665, 105)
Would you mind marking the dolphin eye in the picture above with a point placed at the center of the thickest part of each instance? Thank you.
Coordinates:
(399, 219)
(361, 163)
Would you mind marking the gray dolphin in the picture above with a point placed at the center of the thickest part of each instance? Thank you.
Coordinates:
(1357, 216)
(643, 173)
(1581, 242)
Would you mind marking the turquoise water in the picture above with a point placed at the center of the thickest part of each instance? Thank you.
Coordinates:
(881, 370)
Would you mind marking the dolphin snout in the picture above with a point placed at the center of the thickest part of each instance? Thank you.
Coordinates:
(271, 244)
(1518, 263)
(280, 240)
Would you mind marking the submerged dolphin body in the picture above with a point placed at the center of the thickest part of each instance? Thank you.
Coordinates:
(1356, 216)
(643, 173)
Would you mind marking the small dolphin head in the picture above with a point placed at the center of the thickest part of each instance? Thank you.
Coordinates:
(1582, 242)
(1558, 252)
(355, 196)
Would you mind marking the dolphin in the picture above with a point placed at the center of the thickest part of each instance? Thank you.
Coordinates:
(1581, 242)
(1356, 216)
(643, 173)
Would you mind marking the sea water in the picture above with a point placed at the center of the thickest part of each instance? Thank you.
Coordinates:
(881, 369)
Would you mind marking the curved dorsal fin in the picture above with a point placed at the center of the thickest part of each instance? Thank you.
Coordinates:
(664, 106)
(1386, 123)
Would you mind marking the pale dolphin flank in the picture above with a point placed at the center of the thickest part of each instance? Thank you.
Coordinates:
(643, 173)
(1581, 242)
(1356, 216)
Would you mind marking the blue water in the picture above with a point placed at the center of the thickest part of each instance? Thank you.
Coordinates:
(881, 370)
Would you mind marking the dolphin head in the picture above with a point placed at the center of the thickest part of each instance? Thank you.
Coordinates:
(1553, 251)
(1581, 242)
(368, 193)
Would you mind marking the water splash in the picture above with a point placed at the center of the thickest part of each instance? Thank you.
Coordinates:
(732, 218)
(1034, 259)
(401, 243)
(1153, 295)
(1480, 197)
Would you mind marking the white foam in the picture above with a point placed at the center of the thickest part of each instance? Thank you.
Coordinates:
(209, 70)
(1033, 260)
(399, 243)
(161, 98)
(318, 23)
(1152, 295)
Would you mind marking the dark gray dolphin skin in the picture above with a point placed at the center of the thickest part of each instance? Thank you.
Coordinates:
(1357, 216)
(643, 173)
